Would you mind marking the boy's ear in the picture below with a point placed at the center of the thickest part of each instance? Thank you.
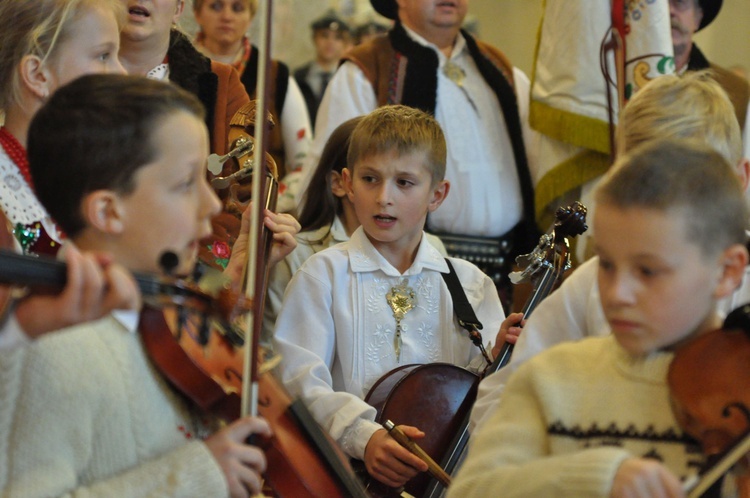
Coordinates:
(743, 171)
(35, 76)
(337, 184)
(178, 11)
(439, 193)
(346, 177)
(734, 259)
(102, 211)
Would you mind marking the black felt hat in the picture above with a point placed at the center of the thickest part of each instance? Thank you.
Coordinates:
(710, 9)
(386, 8)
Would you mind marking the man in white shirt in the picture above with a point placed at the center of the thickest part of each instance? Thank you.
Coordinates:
(480, 101)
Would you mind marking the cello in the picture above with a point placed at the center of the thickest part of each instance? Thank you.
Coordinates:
(438, 397)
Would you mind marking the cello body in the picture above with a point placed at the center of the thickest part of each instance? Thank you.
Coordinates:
(437, 398)
(407, 396)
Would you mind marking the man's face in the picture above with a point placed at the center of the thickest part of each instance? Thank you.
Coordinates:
(685, 17)
(424, 16)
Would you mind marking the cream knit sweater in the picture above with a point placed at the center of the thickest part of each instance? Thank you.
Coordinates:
(84, 413)
(568, 418)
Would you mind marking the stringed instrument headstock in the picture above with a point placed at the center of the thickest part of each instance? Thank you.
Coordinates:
(231, 174)
(553, 248)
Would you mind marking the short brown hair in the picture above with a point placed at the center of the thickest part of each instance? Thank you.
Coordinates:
(96, 133)
(401, 129)
(684, 175)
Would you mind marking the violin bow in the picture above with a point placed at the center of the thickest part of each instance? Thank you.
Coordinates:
(254, 286)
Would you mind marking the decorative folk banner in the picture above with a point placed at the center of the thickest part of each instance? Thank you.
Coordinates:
(574, 79)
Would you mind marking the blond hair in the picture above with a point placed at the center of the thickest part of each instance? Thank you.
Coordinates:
(688, 177)
(689, 106)
(402, 129)
(37, 27)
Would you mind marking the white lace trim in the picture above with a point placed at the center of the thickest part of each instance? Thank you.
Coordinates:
(160, 72)
(18, 201)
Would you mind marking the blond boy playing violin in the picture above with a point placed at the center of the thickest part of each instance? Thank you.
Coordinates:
(593, 418)
(119, 162)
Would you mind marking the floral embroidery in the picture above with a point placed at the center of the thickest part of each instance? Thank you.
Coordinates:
(221, 252)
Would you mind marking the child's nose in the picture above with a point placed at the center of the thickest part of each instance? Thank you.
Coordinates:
(210, 201)
(118, 68)
(384, 194)
(622, 290)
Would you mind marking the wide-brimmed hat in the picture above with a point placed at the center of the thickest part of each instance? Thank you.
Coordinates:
(710, 9)
(387, 8)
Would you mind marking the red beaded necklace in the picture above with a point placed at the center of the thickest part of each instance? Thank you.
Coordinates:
(17, 154)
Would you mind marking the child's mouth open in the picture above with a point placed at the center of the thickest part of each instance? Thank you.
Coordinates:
(138, 11)
(383, 220)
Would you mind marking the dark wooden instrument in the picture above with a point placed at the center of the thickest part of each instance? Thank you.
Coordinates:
(438, 397)
(226, 377)
(708, 381)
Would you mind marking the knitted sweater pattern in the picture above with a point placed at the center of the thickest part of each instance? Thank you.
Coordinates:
(567, 420)
(84, 411)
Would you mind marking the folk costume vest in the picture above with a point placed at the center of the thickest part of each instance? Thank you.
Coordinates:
(191, 70)
(279, 84)
(402, 71)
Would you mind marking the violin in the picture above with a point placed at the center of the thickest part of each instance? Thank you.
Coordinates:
(708, 383)
(47, 275)
(229, 378)
(438, 397)
(208, 368)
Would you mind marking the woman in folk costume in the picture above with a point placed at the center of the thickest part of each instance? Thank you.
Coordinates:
(153, 47)
(223, 37)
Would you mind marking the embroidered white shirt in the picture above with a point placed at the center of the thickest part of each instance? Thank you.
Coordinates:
(335, 329)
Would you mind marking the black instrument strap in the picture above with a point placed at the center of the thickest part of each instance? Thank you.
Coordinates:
(464, 312)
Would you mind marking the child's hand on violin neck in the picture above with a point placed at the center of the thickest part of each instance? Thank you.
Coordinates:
(95, 286)
(241, 463)
(389, 462)
(645, 478)
(283, 227)
(509, 331)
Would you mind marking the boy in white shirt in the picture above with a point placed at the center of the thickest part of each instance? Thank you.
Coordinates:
(357, 310)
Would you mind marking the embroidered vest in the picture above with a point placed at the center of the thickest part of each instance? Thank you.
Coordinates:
(402, 71)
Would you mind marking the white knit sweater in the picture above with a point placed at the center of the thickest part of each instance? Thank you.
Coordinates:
(84, 413)
(568, 418)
